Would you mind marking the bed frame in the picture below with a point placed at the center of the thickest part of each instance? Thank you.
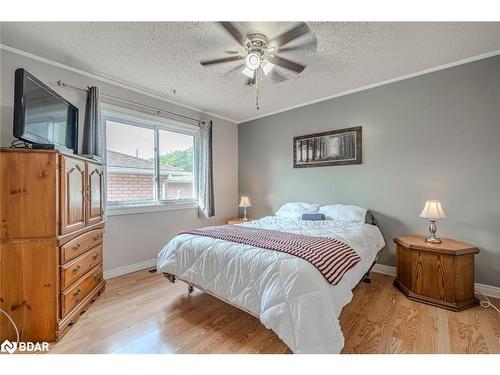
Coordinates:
(172, 278)
(191, 286)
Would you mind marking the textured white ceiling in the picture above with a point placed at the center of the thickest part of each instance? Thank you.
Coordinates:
(161, 57)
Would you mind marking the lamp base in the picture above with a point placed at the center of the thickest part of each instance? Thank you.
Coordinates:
(432, 231)
(244, 219)
(433, 240)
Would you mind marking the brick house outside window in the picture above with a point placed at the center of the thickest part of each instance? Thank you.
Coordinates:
(130, 178)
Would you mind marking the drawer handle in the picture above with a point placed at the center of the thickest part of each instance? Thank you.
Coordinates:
(76, 246)
(96, 255)
(76, 269)
(97, 276)
(76, 293)
(97, 236)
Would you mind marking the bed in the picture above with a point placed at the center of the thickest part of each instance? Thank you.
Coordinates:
(288, 294)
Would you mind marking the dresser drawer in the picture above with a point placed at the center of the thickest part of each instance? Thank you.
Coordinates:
(78, 267)
(73, 295)
(81, 244)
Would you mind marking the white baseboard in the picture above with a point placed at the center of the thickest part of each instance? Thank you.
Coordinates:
(487, 290)
(385, 270)
(129, 269)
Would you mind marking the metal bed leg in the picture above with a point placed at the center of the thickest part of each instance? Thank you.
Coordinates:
(170, 277)
(366, 278)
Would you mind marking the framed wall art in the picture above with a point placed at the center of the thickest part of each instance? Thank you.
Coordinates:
(336, 147)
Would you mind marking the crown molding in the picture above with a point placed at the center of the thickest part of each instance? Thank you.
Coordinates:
(113, 81)
(377, 84)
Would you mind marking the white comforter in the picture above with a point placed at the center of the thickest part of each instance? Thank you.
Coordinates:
(289, 294)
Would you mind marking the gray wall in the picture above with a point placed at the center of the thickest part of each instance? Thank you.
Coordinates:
(435, 136)
(135, 238)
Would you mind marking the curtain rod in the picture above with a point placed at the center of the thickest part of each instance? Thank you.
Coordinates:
(157, 110)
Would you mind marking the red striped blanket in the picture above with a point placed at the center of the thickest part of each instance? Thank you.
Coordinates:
(331, 257)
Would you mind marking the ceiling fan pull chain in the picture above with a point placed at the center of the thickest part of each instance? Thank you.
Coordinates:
(257, 91)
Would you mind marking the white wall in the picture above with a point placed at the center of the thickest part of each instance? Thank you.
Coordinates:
(133, 238)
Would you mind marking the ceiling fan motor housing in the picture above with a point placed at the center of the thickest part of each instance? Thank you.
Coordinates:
(257, 44)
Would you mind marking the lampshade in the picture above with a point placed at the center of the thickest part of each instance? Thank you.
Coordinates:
(266, 66)
(248, 72)
(433, 210)
(245, 202)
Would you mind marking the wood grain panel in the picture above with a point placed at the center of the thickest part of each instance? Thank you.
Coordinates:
(433, 276)
(73, 187)
(464, 277)
(81, 244)
(95, 199)
(72, 271)
(76, 293)
(29, 288)
(404, 268)
(28, 195)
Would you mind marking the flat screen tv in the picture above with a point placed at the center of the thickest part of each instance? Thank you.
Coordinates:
(41, 116)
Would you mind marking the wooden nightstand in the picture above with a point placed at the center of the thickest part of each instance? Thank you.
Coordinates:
(437, 274)
(237, 220)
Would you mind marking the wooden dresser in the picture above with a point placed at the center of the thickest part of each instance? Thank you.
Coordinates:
(51, 252)
(437, 274)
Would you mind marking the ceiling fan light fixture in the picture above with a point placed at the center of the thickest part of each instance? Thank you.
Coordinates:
(266, 66)
(252, 61)
(248, 72)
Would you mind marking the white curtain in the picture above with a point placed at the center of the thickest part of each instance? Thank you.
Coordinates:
(206, 207)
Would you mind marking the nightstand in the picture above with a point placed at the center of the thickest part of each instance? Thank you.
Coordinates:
(237, 220)
(437, 274)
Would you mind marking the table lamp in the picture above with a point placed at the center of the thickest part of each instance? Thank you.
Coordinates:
(245, 202)
(433, 211)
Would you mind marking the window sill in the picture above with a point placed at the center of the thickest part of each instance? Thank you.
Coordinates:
(142, 209)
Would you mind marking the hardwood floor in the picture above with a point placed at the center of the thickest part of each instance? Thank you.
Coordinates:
(144, 313)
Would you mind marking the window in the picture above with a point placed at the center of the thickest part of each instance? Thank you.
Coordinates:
(149, 162)
(176, 165)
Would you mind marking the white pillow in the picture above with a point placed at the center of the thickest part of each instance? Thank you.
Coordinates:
(342, 212)
(294, 210)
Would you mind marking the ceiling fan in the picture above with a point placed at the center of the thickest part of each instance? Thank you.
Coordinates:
(259, 55)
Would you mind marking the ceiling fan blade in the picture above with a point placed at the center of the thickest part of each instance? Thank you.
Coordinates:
(221, 60)
(310, 46)
(237, 68)
(288, 64)
(292, 34)
(235, 33)
(277, 77)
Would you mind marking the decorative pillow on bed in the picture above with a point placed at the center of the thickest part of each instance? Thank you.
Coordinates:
(342, 212)
(313, 217)
(295, 210)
